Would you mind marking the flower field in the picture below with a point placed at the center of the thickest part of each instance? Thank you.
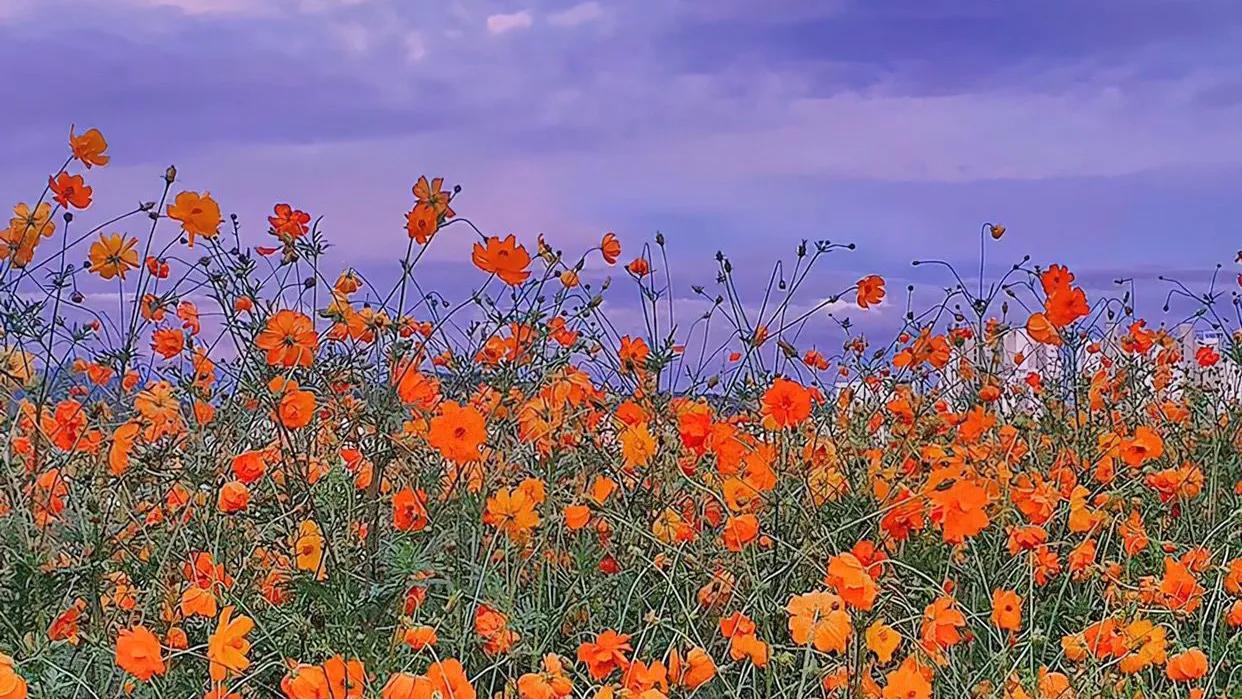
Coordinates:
(235, 471)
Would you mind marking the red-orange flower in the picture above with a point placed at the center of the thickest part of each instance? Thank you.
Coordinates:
(138, 653)
(70, 190)
(787, 403)
(870, 290)
(610, 248)
(605, 654)
(289, 223)
(503, 258)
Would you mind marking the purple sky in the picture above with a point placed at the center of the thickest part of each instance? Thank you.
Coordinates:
(1104, 135)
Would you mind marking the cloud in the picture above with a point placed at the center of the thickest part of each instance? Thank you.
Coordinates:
(504, 23)
(205, 7)
(415, 47)
(578, 14)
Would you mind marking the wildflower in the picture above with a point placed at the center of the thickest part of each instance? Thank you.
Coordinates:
(1006, 610)
(234, 497)
(605, 654)
(420, 637)
(787, 403)
(138, 653)
(409, 512)
(89, 147)
(26, 229)
(289, 339)
(198, 214)
(457, 432)
(112, 255)
(960, 509)
(12, 685)
(610, 248)
(870, 291)
(503, 258)
(692, 672)
(740, 531)
(819, 619)
(288, 223)
(227, 647)
(849, 578)
(512, 511)
(906, 683)
(70, 190)
(1187, 666)
(167, 342)
(431, 208)
(882, 640)
(308, 547)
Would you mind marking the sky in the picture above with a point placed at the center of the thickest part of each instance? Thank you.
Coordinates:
(1103, 135)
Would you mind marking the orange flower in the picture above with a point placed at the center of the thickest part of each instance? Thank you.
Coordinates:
(638, 267)
(289, 223)
(112, 255)
(1179, 589)
(505, 259)
(1146, 445)
(787, 403)
(198, 601)
(1187, 666)
(493, 627)
(308, 548)
(89, 147)
(610, 248)
(633, 354)
(882, 640)
(296, 407)
(577, 516)
(740, 531)
(696, 670)
(848, 576)
(605, 654)
(12, 686)
(906, 682)
(409, 511)
(448, 678)
(941, 621)
(289, 339)
(64, 628)
(1041, 330)
(336, 678)
(961, 510)
(819, 619)
(870, 291)
(1006, 610)
(234, 497)
(457, 432)
(70, 190)
(167, 342)
(430, 211)
(403, 685)
(138, 653)
(26, 229)
(227, 648)
(199, 215)
(420, 637)
(512, 511)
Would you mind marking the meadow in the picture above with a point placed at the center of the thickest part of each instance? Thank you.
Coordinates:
(248, 471)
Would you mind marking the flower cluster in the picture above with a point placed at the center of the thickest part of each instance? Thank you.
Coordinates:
(238, 476)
